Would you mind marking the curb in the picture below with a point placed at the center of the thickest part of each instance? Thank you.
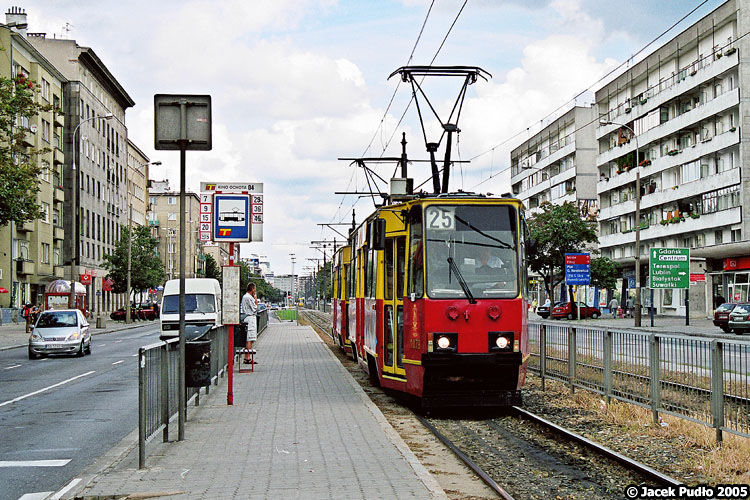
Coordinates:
(97, 332)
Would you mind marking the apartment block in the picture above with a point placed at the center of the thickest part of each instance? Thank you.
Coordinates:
(164, 221)
(95, 146)
(31, 254)
(137, 180)
(674, 118)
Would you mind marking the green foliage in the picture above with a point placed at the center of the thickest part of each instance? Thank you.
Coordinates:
(19, 165)
(212, 269)
(604, 272)
(265, 292)
(557, 229)
(146, 268)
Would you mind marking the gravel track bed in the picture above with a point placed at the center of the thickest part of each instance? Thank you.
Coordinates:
(529, 461)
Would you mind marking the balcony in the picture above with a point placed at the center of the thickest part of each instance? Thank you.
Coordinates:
(58, 156)
(691, 118)
(59, 271)
(24, 266)
(59, 118)
(691, 82)
(59, 194)
(58, 233)
(687, 190)
(705, 222)
(26, 227)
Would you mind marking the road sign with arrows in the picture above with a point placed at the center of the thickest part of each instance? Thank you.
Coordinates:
(669, 267)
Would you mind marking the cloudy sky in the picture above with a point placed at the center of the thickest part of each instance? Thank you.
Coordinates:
(295, 84)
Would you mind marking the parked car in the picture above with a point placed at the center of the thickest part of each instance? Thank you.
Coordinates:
(739, 318)
(568, 310)
(119, 315)
(149, 312)
(721, 315)
(62, 331)
(544, 309)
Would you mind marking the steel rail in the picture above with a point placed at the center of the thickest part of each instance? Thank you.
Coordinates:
(627, 462)
(469, 462)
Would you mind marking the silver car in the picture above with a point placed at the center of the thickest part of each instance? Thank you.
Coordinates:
(63, 331)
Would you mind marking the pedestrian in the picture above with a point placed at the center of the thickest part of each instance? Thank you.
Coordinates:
(533, 305)
(27, 316)
(613, 306)
(248, 310)
(35, 310)
(629, 307)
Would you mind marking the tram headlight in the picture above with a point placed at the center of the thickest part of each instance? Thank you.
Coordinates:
(443, 342)
(500, 341)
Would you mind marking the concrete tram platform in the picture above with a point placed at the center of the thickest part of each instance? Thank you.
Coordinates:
(300, 427)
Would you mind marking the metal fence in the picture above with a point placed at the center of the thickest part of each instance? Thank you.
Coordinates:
(699, 379)
(158, 385)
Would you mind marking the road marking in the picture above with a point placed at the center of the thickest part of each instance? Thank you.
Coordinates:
(34, 463)
(102, 345)
(36, 496)
(118, 341)
(134, 355)
(118, 362)
(19, 398)
(59, 494)
(9, 367)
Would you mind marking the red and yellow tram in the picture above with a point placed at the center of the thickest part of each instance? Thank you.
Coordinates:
(432, 293)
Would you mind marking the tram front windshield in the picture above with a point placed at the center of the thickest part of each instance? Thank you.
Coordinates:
(481, 240)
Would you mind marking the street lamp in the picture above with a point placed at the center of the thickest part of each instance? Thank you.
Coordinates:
(637, 226)
(74, 202)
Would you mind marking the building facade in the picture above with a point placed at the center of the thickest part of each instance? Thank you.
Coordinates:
(32, 253)
(164, 221)
(673, 119)
(137, 181)
(95, 146)
(558, 165)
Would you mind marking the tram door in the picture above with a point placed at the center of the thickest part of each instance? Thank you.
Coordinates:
(393, 306)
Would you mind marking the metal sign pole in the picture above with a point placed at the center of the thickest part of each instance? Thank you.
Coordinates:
(182, 414)
(230, 381)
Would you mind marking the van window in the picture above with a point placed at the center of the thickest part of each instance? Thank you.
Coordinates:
(194, 303)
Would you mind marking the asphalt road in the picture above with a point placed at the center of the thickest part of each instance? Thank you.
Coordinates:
(58, 414)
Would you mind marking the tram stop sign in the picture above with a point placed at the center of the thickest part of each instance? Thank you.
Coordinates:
(669, 267)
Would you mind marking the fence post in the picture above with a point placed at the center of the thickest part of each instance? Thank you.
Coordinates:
(141, 408)
(607, 365)
(164, 388)
(543, 353)
(572, 357)
(717, 387)
(654, 376)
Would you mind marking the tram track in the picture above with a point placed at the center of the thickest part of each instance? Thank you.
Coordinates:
(546, 455)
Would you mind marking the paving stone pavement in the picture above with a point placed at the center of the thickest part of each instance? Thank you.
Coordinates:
(300, 428)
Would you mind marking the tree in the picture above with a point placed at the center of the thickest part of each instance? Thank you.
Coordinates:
(146, 268)
(557, 229)
(212, 269)
(19, 167)
(263, 289)
(604, 273)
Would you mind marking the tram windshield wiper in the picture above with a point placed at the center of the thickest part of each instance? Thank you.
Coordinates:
(461, 280)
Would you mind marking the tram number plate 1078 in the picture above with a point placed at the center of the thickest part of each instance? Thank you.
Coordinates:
(441, 217)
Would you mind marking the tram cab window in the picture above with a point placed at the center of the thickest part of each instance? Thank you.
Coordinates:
(416, 264)
(481, 240)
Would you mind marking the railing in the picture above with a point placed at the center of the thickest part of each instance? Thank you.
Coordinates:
(706, 381)
(158, 385)
(262, 320)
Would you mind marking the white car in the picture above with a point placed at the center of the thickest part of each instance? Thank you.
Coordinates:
(62, 331)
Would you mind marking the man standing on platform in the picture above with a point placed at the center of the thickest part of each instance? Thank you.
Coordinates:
(248, 309)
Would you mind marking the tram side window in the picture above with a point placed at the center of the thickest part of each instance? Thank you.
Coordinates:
(352, 277)
(524, 263)
(416, 262)
(400, 265)
(388, 270)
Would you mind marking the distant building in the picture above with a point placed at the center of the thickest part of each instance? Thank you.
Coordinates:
(164, 221)
(137, 176)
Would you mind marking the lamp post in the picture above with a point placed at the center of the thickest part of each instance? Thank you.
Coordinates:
(74, 202)
(637, 226)
(294, 298)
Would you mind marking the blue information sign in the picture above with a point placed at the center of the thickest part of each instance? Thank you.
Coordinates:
(577, 269)
(232, 217)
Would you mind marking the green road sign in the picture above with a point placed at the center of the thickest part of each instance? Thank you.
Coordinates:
(669, 267)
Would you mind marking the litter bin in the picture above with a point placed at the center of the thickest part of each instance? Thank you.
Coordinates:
(198, 363)
(240, 335)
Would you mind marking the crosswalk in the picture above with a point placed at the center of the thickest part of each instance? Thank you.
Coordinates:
(51, 495)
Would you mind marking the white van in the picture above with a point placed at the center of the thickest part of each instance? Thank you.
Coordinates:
(202, 307)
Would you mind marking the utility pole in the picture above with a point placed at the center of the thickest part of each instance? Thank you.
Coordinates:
(294, 298)
(130, 251)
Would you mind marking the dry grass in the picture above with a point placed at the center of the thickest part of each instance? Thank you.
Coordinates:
(696, 452)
